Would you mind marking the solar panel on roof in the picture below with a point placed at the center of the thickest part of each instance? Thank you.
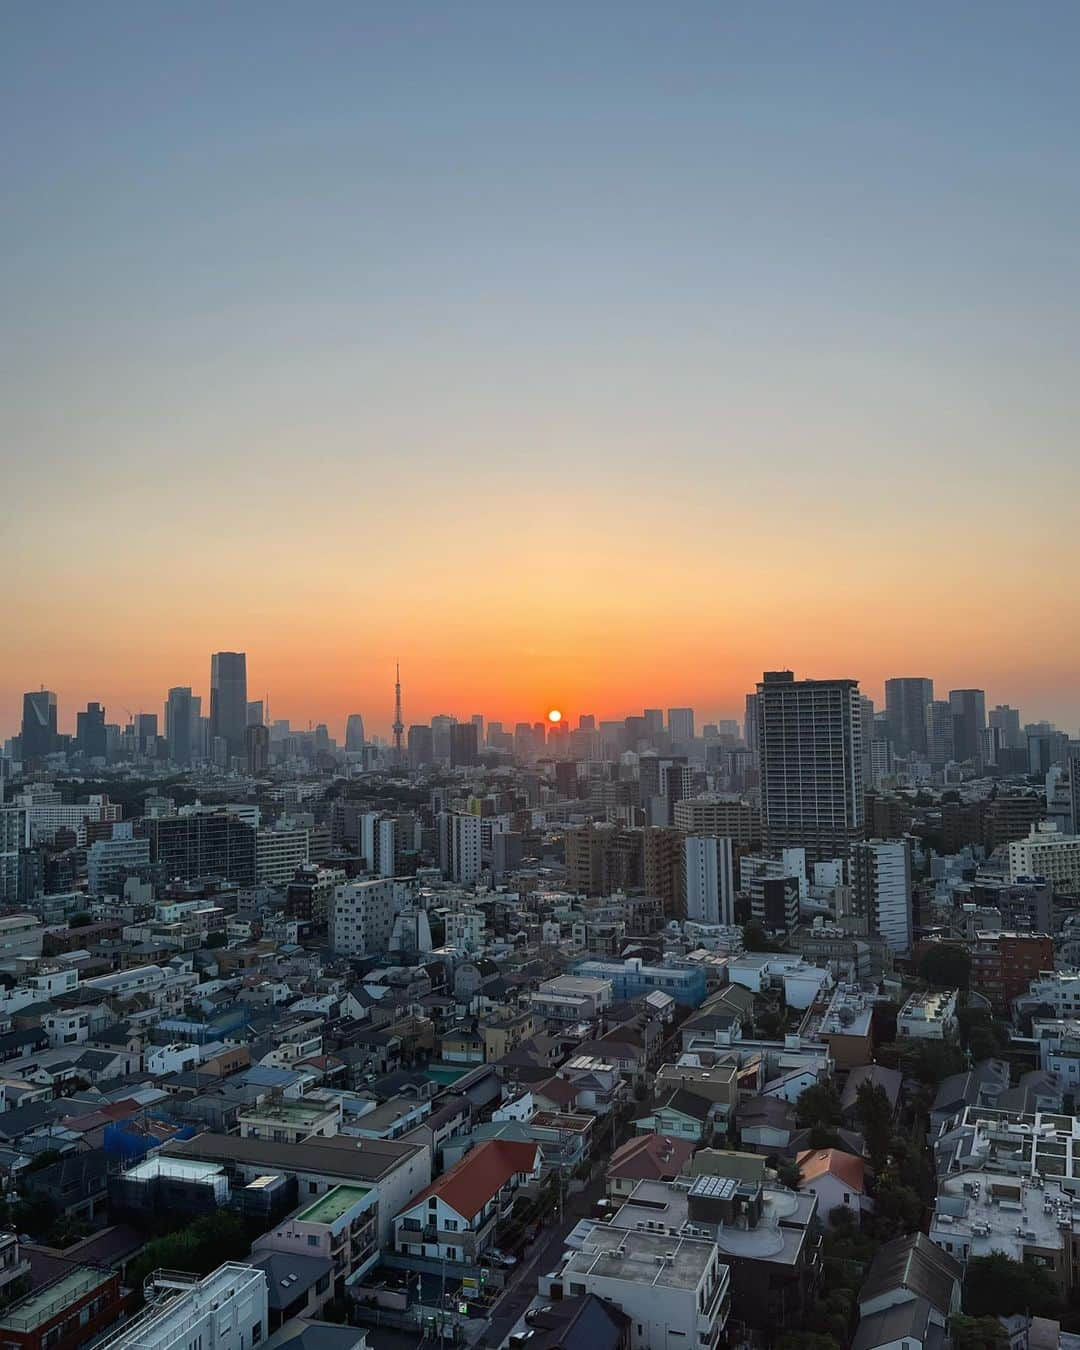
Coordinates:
(715, 1188)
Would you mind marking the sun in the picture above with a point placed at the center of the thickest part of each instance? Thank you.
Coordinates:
(554, 715)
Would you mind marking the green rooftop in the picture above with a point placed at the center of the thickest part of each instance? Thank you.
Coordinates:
(441, 1074)
(331, 1206)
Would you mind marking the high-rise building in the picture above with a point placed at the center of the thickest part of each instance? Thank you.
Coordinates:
(440, 737)
(228, 700)
(257, 747)
(729, 816)
(968, 707)
(210, 844)
(14, 836)
(881, 890)
(90, 731)
(181, 724)
(586, 722)
(256, 713)
(354, 732)
(708, 879)
(867, 732)
(464, 748)
(38, 725)
(939, 733)
(1006, 720)
(905, 706)
(810, 751)
(460, 841)
(654, 721)
(750, 725)
(661, 867)
(680, 725)
(421, 746)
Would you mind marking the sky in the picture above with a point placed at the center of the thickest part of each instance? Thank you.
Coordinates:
(582, 355)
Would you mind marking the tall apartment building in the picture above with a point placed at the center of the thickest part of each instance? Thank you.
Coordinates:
(661, 866)
(14, 836)
(279, 850)
(709, 879)
(939, 733)
(1003, 965)
(228, 700)
(773, 887)
(680, 725)
(968, 708)
(810, 749)
(362, 918)
(602, 859)
(881, 890)
(732, 817)
(460, 847)
(906, 700)
(109, 862)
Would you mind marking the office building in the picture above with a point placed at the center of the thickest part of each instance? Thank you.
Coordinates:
(968, 708)
(421, 747)
(881, 891)
(464, 745)
(90, 731)
(257, 747)
(440, 738)
(279, 851)
(939, 733)
(228, 700)
(38, 725)
(709, 879)
(680, 725)
(354, 733)
(810, 752)
(256, 713)
(905, 708)
(210, 844)
(181, 724)
(1006, 721)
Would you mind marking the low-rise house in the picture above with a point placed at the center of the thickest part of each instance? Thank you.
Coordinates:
(340, 1226)
(646, 1157)
(766, 1123)
(682, 1114)
(290, 1122)
(718, 1084)
(597, 1084)
(838, 1179)
(65, 1313)
(929, 1016)
(456, 1216)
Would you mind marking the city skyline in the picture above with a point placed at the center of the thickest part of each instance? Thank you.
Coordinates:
(622, 356)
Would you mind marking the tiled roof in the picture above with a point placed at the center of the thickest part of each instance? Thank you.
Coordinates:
(818, 1162)
(650, 1157)
(484, 1170)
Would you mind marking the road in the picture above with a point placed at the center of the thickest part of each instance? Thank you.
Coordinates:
(540, 1258)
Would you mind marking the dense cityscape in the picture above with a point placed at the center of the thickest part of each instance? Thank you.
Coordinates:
(572, 1031)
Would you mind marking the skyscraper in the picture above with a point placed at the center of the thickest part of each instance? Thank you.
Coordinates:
(881, 890)
(1007, 721)
(939, 732)
(256, 713)
(968, 707)
(750, 725)
(38, 724)
(905, 705)
(810, 750)
(421, 748)
(464, 750)
(354, 732)
(90, 731)
(181, 724)
(228, 700)
(257, 746)
(680, 725)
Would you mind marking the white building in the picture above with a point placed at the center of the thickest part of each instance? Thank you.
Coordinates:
(461, 839)
(279, 851)
(675, 1290)
(14, 835)
(362, 919)
(110, 861)
(881, 890)
(1049, 854)
(708, 879)
(226, 1310)
(465, 930)
(929, 1017)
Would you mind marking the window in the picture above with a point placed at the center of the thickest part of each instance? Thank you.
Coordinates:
(313, 1240)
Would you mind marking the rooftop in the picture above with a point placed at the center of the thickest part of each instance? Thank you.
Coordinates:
(365, 1160)
(993, 1213)
(328, 1208)
(47, 1302)
(644, 1258)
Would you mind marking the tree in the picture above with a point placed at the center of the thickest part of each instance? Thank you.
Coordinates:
(819, 1107)
(997, 1286)
(806, 1340)
(946, 966)
(44, 1159)
(770, 1023)
(977, 1333)
(80, 921)
(787, 1173)
(931, 1061)
(883, 1023)
(897, 1209)
(874, 1115)
(200, 1247)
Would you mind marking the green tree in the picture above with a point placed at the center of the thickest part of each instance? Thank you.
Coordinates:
(819, 1107)
(996, 1286)
(946, 966)
(874, 1115)
(44, 1159)
(80, 921)
(977, 1333)
(897, 1209)
(806, 1340)
(200, 1247)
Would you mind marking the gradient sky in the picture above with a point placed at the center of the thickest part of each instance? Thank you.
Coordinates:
(582, 354)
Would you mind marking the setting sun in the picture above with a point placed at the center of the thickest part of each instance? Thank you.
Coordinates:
(554, 715)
